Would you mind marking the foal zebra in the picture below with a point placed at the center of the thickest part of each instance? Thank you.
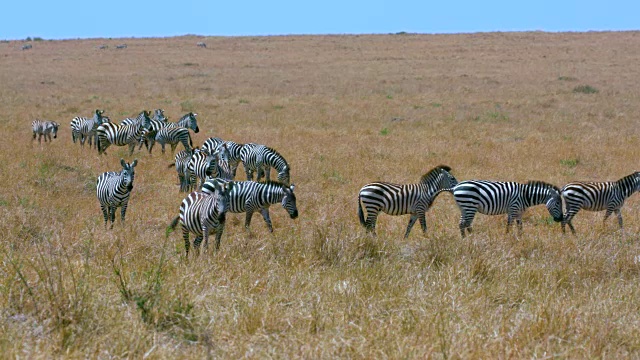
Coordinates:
(396, 199)
(44, 128)
(495, 198)
(250, 196)
(114, 189)
(598, 196)
(202, 212)
(212, 145)
(121, 135)
(261, 159)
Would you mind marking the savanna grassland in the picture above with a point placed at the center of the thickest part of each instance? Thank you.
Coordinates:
(344, 111)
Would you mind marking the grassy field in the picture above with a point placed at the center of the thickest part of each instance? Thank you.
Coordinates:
(344, 111)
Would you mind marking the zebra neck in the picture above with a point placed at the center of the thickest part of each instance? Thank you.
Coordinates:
(271, 194)
(534, 195)
(628, 186)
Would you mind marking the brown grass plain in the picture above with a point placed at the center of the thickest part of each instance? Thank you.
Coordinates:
(344, 111)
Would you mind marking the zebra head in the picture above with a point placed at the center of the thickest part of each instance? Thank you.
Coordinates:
(439, 178)
(222, 189)
(128, 173)
(551, 195)
(189, 121)
(158, 115)
(283, 175)
(289, 201)
(54, 129)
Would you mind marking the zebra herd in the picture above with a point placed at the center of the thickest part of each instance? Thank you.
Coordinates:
(208, 174)
(492, 198)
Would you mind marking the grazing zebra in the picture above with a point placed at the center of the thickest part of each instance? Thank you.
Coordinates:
(261, 159)
(250, 196)
(212, 145)
(397, 199)
(26, 46)
(121, 46)
(201, 44)
(181, 163)
(83, 128)
(598, 196)
(114, 189)
(121, 135)
(102, 47)
(511, 198)
(200, 213)
(173, 136)
(44, 128)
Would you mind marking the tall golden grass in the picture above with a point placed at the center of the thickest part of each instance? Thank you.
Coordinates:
(344, 111)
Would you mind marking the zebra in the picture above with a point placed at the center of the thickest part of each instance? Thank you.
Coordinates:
(121, 135)
(44, 128)
(102, 47)
(173, 136)
(121, 46)
(261, 159)
(200, 166)
(27, 46)
(82, 127)
(158, 115)
(114, 189)
(187, 121)
(402, 199)
(201, 44)
(181, 163)
(202, 212)
(598, 196)
(234, 148)
(511, 198)
(251, 196)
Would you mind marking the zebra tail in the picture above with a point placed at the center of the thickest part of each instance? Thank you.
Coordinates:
(360, 212)
(172, 226)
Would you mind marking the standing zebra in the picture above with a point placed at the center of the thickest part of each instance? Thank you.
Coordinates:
(44, 128)
(220, 167)
(201, 44)
(84, 128)
(261, 159)
(150, 136)
(201, 213)
(397, 199)
(121, 135)
(511, 198)
(181, 163)
(234, 148)
(200, 166)
(598, 196)
(250, 196)
(114, 189)
(173, 136)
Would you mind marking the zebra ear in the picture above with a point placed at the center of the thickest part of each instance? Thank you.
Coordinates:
(122, 162)
(134, 163)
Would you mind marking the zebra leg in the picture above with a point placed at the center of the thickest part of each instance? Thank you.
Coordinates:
(219, 231)
(370, 223)
(132, 146)
(112, 215)
(249, 172)
(205, 235)
(465, 221)
(412, 221)
(173, 147)
(105, 213)
(185, 237)
(423, 222)
(196, 244)
(162, 143)
(123, 211)
(619, 215)
(247, 221)
(267, 219)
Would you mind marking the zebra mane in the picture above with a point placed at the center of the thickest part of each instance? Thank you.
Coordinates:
(433, 173)
(631, 178)
(543, 184)
(272, 182)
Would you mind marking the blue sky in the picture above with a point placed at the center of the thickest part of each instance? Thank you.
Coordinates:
(118, 18)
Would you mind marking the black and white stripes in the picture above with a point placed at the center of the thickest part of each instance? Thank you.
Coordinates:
(511, 198)
(44, 128)
(598, 196)
(397, 199)
(260, 159)
(114, 189)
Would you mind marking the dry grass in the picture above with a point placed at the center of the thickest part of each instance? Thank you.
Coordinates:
(492, 106)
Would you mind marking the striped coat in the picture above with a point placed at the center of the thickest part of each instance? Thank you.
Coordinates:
(114, 190)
